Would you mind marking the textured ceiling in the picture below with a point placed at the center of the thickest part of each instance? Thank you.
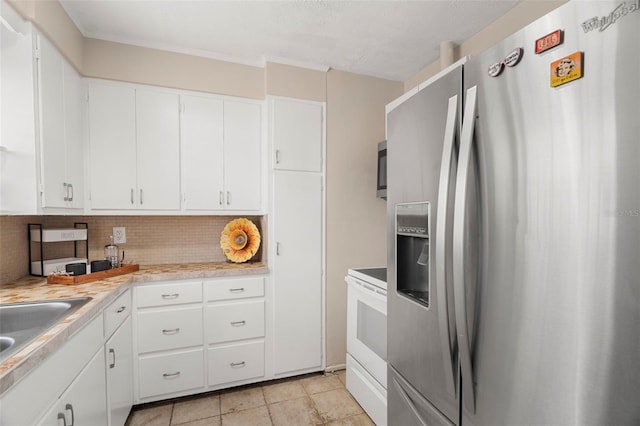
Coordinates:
(389, 39)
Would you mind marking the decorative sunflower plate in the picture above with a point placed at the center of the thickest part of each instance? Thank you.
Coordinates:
(240, 240)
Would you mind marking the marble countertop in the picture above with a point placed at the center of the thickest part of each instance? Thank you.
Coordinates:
(103, 292)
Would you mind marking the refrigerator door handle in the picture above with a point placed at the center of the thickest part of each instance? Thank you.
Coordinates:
(441, 242)
(464, 162)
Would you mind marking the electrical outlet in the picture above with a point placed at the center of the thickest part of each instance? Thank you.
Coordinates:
(119, 235)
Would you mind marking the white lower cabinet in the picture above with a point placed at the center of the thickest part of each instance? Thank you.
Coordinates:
(62, 378)
(235, 362)
(84, 401)
(193, 336)
(119, 360)
(235, 321)
(118, 351)
(172, 328)
(166, 374)
(169, 340)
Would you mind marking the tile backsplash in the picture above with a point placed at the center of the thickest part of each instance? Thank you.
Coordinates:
(150, 239)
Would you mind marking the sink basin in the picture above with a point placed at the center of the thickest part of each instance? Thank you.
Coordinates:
(6, 343)
(21, 323)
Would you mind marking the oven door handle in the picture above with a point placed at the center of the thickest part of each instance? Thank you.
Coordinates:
(367, 290)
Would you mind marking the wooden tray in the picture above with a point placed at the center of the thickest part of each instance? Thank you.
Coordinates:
(87, 278)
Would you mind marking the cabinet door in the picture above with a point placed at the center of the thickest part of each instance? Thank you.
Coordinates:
(297, 134)
(73, 130)
(202, 157)
(297, 271)
(119, 358)
(60, 102)
(158, 135)
(18, 186)
(112, 138)
(84, 401)
(242, 155)
(51, 113)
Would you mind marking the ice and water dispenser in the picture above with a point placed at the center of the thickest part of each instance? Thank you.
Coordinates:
(412, 251)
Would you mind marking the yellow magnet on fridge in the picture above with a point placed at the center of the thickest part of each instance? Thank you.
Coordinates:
(566, 69)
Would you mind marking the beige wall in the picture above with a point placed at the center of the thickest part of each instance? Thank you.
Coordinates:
(123, 62)
(295, 82)
(521, 15)
(356, 218)
(52, 20)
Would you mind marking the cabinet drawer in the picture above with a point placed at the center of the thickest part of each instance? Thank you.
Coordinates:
(176, 372)
(168, 294)
(235, 321)
(169, 329)
(235, 362)
(116, 313)
(234, 288)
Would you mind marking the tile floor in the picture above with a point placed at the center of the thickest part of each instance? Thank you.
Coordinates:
(318, 399)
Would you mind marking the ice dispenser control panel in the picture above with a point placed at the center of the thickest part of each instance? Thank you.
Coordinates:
(412, 251)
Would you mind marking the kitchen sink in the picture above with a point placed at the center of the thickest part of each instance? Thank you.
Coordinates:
(21, 323)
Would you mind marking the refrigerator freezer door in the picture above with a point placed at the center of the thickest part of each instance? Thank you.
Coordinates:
(415, 135)
(555, 335)
(408, 407)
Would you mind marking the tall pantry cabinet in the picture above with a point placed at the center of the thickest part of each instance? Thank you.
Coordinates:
(297, 212)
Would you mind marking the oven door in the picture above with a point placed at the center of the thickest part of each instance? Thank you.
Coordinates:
(367, 327)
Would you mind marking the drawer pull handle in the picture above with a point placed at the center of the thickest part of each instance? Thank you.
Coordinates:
(236, 290)
(174, 331)
(171, 375)
(170, 296)
(237, 364)
(63, 418)
(121, 309)
(238, 323)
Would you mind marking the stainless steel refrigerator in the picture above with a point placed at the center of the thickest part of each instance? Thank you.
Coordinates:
(514, 230)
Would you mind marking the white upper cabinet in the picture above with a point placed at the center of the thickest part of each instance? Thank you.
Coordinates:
(221, 154)
(202, 158)
(242, 155)
(158, 150)
(112, 145)
(60, 114)
(18, 174)
(297, 134)
(135, 149)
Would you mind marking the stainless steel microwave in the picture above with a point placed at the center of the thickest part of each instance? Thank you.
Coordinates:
(382, 170)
